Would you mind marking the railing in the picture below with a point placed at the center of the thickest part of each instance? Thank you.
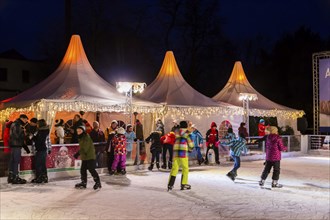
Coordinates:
(318, 142)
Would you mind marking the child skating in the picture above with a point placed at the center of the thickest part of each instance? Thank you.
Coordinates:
(237, 145)
(87, 155)
(274, 146)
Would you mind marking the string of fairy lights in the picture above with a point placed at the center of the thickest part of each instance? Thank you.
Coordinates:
(49, 108)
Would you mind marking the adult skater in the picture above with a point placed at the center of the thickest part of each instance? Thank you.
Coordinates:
(183, 144)
(274, 146)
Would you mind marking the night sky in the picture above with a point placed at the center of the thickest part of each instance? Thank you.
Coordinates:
(27, 24)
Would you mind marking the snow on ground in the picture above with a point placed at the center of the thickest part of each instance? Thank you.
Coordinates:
(143, 195)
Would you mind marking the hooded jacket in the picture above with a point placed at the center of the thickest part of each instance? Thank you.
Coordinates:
(17, 136)
(183, 144)
(87, 149)
(274, 146)
(212, 135)
(154, 137)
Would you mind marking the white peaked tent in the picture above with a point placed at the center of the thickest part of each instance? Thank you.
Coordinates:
(238, 83)
(183, 102)
(74, 86)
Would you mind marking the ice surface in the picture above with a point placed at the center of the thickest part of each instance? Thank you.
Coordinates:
(143, 195)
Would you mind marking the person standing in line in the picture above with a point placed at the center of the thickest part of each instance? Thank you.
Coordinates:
(197, 138)
(155, 148)
(98, 136)
(16, 142)
(59, 131)
(274, 146)
(183, 144)
(112, 129)
(167, 141)
(138, 128)
(236, 147)
(77, 121)
(43, 146)
(87, 155)
(212, 138)
(130, 137)
(30, 128)
(160, 127)
(242, 131)
(261, 128)
(176, 126)
(110, 148)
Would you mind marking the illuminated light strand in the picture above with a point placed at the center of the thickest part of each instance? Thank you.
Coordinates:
(175, 111)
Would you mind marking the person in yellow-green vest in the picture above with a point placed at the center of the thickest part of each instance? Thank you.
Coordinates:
(183, 144)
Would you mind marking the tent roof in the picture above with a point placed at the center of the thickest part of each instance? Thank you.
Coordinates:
(170, 87)
(73, 80)
(238, 83)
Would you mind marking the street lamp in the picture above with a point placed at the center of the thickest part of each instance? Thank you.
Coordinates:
(246, 98)
(129, 88)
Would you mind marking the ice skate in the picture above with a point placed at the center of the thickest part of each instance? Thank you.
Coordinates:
(157, 165)
(262, 182)
(185, 187)
(275, 184)
(81, 185)
(123, 171)
(111, 172)
(231, 176)
(97, 186)
(164, 166)
(171, 183)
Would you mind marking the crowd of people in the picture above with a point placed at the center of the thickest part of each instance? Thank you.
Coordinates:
(117, 143)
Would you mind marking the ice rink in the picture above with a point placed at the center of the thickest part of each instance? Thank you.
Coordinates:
(143, 195)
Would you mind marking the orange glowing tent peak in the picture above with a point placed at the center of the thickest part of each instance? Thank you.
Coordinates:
(238, 83)
(238, 75)
(171, 88)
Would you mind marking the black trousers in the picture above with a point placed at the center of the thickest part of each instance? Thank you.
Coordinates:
(110, 158)
(276, 170)
(169, 148)
(155, 155)
(90, 166)
(216, 152)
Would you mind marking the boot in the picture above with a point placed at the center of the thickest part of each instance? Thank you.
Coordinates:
(261, 182)
(231, 175)
(97, 185)
(164, 166)
(111, 172)
(123, 171)
(200, 162)
(170, 165)
(157, 165)
(275, 184)
(18, 180)
(81, 185)
(151, 166)
(185, 186)
(171, 183)
(11, 177)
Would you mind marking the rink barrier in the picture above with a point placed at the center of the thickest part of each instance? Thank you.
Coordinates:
(255, 152)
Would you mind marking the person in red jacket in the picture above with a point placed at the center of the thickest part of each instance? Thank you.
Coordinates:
(167, 141)
(261, 128)
(212, 141)
(6, 133)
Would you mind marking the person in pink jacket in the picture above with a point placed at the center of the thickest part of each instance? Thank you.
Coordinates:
(274, 146)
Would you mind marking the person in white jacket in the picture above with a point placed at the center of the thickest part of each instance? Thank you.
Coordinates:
(59, 131)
